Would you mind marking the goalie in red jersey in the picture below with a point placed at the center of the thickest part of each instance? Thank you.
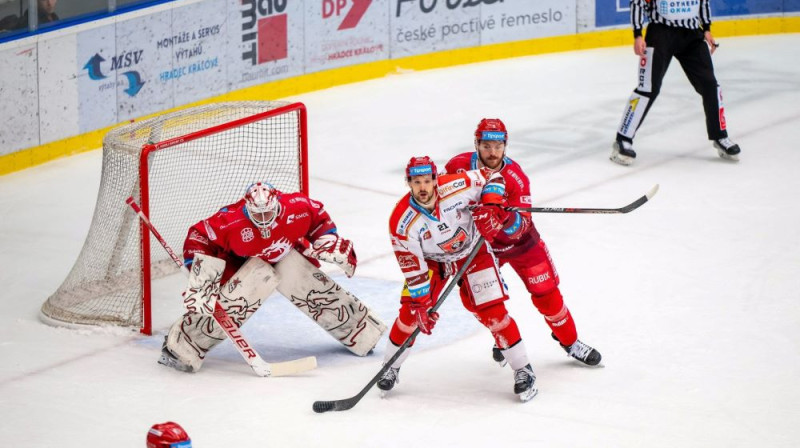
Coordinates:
(518, 243)
(245, 251)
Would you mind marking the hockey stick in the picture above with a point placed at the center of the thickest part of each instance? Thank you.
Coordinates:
(607, 211)
(347, 403)
(259, 366)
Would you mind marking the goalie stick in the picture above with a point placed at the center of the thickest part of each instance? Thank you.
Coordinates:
(259, 366)
(606, 211)
(347, 403)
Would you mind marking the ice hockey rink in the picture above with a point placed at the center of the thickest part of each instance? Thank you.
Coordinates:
(693, 299)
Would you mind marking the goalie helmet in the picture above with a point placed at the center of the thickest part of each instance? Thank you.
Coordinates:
(419, 166)
(168, 435)
(491, 129)
(261, 202)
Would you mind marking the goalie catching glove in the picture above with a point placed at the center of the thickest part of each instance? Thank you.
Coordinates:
(419, 309)
(331, 248)
(202, 293)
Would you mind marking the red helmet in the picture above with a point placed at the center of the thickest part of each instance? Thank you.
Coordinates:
(491, 129)
(419, 166)
(168, 435)
(261, 202)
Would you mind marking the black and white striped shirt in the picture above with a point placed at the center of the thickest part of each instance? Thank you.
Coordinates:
(691, 14)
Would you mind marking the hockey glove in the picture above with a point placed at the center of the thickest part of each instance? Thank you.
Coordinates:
(489, 220)
(419, 309)
(202, 292)
(333, 249)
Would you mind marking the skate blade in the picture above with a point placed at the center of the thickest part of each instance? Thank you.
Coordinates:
(620, 159)
(384, 393)
(726, 156)
(528, 394)
(164, 360)
(502, 363)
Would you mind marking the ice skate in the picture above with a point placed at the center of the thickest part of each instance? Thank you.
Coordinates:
(524, 380)
(388, 380)
(582, 352)
(727, 149)
(497, 356)
(622, 152)
(170, 360)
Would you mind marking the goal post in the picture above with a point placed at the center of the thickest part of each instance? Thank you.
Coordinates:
(180, 167)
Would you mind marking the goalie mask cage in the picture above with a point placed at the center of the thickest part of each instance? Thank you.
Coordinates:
(180, 167)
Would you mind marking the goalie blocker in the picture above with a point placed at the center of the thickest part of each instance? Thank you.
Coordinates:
(333, 308)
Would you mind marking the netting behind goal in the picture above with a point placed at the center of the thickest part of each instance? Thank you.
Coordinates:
(180, 167)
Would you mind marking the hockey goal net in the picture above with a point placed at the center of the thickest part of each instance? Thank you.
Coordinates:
(180, 167)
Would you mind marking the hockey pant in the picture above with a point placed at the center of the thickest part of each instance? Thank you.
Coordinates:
(536, 269)
(482, 292)
(690, 49)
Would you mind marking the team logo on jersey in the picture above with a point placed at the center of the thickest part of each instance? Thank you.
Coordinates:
(275, 251)
(247, 234)
(455, 243)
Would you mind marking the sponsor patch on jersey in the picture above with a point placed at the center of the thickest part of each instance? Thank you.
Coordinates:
(196, 236)
(426, 235)
(485, 286)
(406, 219)
(407, 262)
(452, 187)
(247, 234)
(525, 200)
(453, 206)
(516, 178)
(210, 231)
(291, 218)
(455, 243)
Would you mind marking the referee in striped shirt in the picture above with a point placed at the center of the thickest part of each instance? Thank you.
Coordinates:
(679, 28)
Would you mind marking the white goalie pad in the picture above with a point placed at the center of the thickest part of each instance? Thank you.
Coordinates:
(333, 308)
(202, 291)
(194, 334)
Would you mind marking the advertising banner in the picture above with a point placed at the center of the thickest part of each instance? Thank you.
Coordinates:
(425, 26)
(345, 32)
(96, 68)
(265, 41)
(195, 48)
(617, 12)
(59, 108)
(521, 20)
(19, 95)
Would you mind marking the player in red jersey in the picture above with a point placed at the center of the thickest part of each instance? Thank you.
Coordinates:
(230, 257)
(519, 243)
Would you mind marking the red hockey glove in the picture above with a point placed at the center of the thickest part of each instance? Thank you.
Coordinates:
(489, 220)
(419, 309)
(333, 249)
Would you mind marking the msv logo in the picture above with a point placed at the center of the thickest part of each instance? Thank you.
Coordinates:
(119, 62)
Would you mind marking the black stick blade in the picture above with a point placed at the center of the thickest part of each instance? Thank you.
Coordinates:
(337, 405)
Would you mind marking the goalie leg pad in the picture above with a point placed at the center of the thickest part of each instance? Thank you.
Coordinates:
(194, 334)
(333, 308)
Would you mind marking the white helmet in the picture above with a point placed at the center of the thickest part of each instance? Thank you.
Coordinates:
(261, 202)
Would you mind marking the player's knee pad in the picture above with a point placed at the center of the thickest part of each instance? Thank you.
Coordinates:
(504, 329)
(550, 304)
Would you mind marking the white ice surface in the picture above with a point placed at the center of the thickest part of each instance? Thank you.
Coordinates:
(694, 299)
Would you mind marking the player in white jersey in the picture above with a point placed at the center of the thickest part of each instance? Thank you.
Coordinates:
(433, 232)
